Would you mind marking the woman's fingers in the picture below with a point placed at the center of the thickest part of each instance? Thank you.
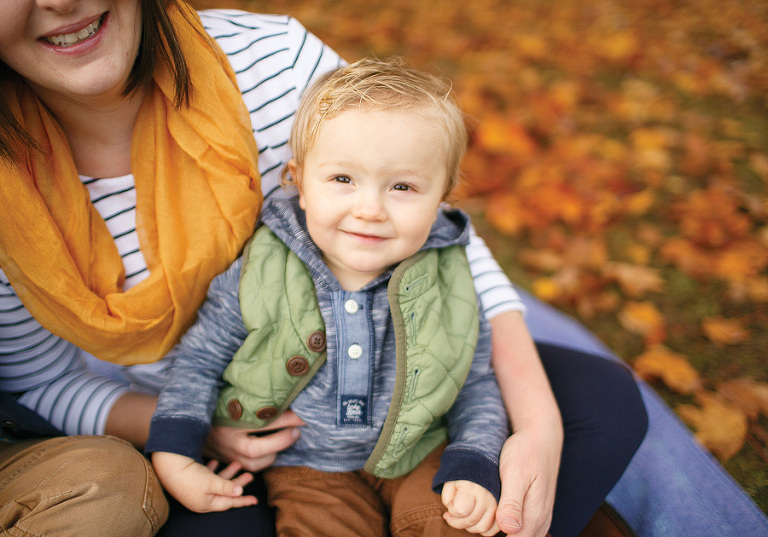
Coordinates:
(286, 419)
(254, 449)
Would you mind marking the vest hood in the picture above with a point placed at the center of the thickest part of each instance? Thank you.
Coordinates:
(287, 220)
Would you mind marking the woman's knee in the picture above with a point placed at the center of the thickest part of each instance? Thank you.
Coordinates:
(623, 406)
(84, 486)
(597, 395)
(127, 480)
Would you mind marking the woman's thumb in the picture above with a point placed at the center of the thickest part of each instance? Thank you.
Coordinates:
(509, 513)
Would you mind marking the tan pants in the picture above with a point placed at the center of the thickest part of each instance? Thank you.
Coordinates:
(314, 503)
(78, 487)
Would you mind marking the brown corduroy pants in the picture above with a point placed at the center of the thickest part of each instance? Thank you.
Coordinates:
(356, 504)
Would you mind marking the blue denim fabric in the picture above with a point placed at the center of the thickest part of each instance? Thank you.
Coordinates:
(672, 487)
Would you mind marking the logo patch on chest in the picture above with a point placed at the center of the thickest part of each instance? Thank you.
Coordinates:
(353, 411)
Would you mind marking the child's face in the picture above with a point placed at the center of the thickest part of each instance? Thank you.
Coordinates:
(371, 186)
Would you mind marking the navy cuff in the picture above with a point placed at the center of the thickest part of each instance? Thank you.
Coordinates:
(183, 436)
(462, 463)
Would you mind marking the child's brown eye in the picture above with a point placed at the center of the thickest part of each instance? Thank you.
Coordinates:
(342, 179)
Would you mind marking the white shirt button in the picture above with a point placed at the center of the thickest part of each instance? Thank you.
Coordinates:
(355, 351)
(350, 306)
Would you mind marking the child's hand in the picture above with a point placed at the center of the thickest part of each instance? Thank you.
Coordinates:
(470, 507)
(197, 487)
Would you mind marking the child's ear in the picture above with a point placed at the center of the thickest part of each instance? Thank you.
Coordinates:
(293, 169)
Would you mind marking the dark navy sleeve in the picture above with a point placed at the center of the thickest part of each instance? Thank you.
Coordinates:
(187, 401)
(457, 464)
(477, 424)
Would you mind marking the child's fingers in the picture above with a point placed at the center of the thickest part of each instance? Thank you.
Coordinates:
(222, 503)
(463, 522)
(449, 491)
(224, 487)
(470, 507)
(448, 497)
(486, 522)
(459, 505)
(493, 531)
(243, 479)
(230, 470)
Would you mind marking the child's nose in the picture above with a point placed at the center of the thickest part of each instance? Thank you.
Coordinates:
(369, 206)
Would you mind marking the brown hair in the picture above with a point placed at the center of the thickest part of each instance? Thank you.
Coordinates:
(158, 41)
(384, 85)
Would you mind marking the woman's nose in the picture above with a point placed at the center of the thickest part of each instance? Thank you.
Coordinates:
(60, 6)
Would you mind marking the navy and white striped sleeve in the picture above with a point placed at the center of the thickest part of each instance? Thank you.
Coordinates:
(51, 376)
(274, 58)
(48, 374)
(494, 289)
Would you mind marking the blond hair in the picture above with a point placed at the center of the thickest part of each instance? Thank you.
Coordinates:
(381, 85)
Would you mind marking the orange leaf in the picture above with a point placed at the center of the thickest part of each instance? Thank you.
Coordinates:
(644, 319)
(635, 280)
(724, 331)
(754, 289)
(584, 251)
(638, 253)
(687, 256)
(531, 45)
(650, 234)
(505, 137)
(712, 217)
(541, 259)
(747, 395)
(503, 213)
(741, 260)
(719, 427)
(640, 203)
(547, 289)
(651, 148)
(671, 367)
(759, 164)
(697, 160)
(757, 289)
(588, 305)
(618, 46)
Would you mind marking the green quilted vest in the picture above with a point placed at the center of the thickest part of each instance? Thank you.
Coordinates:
(434, 311)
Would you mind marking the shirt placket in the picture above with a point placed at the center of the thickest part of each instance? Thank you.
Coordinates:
(355, 346)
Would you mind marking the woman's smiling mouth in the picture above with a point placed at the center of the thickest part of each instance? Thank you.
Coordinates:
(67, 40)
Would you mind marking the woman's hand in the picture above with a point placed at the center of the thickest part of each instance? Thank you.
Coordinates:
(197, 487)
(528, 469)
(530, 458)
(253, 453)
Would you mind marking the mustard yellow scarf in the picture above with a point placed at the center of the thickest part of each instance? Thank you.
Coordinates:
(198, 197)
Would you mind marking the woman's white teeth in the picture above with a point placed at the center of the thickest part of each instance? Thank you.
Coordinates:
(65, 40)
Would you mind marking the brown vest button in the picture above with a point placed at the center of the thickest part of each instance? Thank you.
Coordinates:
(297, 366)
(266, 413)
(316, 341)
(234, 409)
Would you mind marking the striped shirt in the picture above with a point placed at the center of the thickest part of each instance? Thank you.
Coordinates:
(274, 59)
